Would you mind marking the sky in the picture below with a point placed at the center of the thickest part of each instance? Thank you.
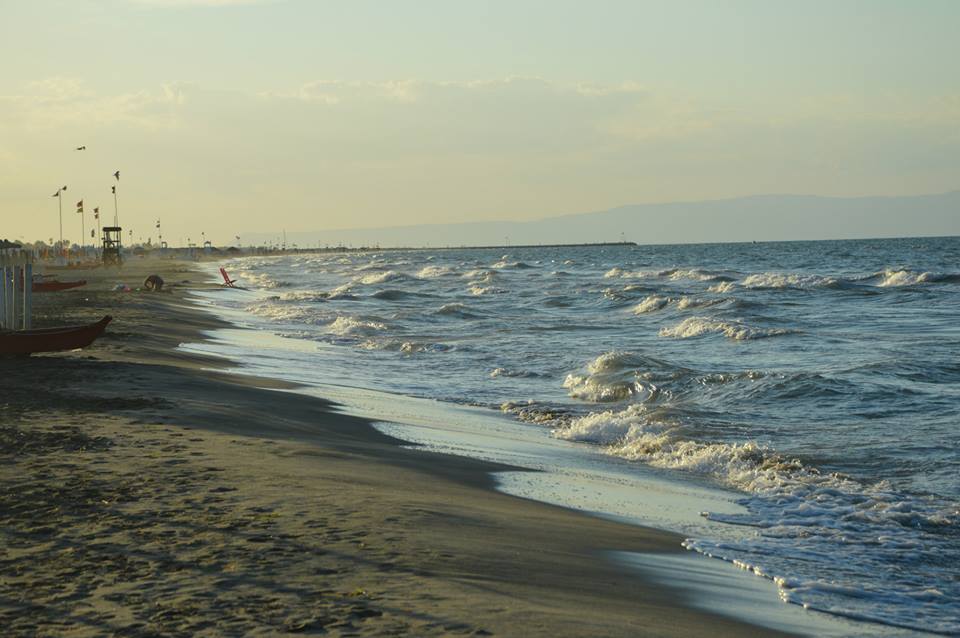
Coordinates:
(227, 117)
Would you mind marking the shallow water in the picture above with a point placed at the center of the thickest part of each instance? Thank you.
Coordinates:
(820, 380)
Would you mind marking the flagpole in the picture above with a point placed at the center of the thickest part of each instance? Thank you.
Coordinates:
(116, 211)
(83, 232)
(60, 206)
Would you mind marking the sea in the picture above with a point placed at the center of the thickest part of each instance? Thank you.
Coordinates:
(815, 384)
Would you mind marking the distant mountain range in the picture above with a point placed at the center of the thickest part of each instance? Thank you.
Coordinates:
(756, 218)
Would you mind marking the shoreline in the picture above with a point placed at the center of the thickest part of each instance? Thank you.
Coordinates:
(417, 542)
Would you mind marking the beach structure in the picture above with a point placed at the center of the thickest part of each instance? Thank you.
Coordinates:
(111, 245)
(16, 300)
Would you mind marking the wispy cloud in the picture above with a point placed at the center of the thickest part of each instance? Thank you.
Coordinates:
(64, 102)
(466, 147)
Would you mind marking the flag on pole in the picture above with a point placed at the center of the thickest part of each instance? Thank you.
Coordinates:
(113, 189)
(57, 194)
(96, 212)
(80, 206)
(158, 224)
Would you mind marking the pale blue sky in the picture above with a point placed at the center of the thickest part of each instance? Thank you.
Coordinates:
(359, 113)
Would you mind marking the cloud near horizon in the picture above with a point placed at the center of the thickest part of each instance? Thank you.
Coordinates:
(336, 154)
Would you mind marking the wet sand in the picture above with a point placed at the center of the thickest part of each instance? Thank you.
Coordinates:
(144, 493)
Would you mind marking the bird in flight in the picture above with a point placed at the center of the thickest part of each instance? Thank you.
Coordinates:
(82, 148)
(117, 175)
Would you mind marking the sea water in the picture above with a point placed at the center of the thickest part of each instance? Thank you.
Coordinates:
(818, 381)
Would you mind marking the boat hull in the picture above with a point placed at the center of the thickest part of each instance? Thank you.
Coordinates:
(22, 342)
(56, 286)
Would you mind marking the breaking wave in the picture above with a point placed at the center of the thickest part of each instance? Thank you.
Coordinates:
(671, 274)
(383, 277)
(736, 330)
(723, 287)
(902, 277)
(456, 310)
(790, 503)
(348, 326)
(478, 290)
(619, 376)
(513, 265)
(404, 347)
(653, 303)
(252, 279)
(432, 272)
(775, 280)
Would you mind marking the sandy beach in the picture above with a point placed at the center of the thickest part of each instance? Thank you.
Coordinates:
(145, 493)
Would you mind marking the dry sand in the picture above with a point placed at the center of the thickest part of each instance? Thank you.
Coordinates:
(143, 494)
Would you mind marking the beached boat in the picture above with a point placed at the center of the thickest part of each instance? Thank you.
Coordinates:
(56, 286)
(20, 342)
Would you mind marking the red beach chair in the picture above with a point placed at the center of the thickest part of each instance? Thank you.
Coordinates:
(226, 278)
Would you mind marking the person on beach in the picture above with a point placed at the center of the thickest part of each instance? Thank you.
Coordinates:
(153, 283)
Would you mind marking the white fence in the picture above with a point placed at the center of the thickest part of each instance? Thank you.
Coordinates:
(16, 287)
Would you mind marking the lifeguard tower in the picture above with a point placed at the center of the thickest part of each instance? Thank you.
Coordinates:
(111, 246)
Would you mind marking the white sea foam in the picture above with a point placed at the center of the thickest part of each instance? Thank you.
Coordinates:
(619, 273)
(788, 280)
(692, 274)
(251, 279)
(379, 278)
(455, 310)
(346, 326)
(685, 302)
(503, 263)
(891, 278)
(723, 287)
(504, 372)
(532, 412)
(614, 361)
(613, 376)
(671, 274)
(738, 331)
(598, 390)
(286, 313)
(651, 304)
(478, 290)
(481, 275)
(432, 272)
(403, 346)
